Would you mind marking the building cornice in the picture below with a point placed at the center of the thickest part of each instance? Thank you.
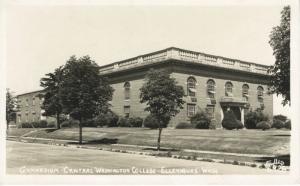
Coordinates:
(178, 54)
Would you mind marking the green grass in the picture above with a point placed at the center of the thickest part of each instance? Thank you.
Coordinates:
(19, 131)
(242, 141)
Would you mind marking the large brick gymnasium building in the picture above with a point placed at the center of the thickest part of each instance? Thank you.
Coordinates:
(211, 83)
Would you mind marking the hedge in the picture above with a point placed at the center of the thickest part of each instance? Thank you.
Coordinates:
(40, 124)
(278, 124)
(254, 117)
(264, 125)
(201, 120)
(184, 125)
(151, 122)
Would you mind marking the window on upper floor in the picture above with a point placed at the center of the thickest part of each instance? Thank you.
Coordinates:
(191, 86)
(228, 89)
(41, 101)
(127, 91)
(245, 92)
(33, 101)
(260, 93)
(211, 88)
(27, 102)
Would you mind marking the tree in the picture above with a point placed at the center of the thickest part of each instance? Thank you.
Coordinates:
(84, 93)
(11, 107)
(52, 97)
(164, 98)
(280, 72)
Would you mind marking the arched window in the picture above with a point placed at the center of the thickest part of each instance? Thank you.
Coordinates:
(191, 86)
(245, 92)
(228, 89)
(127, 90)
(260, 94)
(211, 88)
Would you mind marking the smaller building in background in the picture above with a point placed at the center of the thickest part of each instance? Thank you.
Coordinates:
(29, 108)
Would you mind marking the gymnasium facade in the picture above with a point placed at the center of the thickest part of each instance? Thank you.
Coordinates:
(211, 83)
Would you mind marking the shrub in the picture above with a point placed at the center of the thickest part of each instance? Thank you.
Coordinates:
(264, 125)
(63, 118)
(235, 162)
(278, 124)
(151, 122)
(35, 124)
(135, 122)
(52, 124)
(213, 124)
(229, 121)
(280, 117)
(42, 124)
(26, 125)
(184, 125)
(112, 119)
(123, 122)
(200, 120)
(89, 123)
(240, 125)
(70, 123)
(254, 117)
(287, 124)
(109, 119)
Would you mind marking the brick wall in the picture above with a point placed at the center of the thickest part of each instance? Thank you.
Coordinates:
(30, 108)
(181, 76)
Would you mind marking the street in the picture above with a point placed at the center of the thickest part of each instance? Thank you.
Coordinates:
(30, 158)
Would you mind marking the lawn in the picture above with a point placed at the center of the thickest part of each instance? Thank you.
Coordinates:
(270, 142)
(20, 131)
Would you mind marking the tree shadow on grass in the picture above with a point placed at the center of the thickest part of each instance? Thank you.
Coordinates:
(285, 158)
(50, 130)
(106, 141)
(161, 149)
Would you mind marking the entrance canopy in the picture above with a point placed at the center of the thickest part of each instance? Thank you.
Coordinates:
(233, 101)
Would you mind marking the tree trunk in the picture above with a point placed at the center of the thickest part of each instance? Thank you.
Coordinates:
(80, 131)
(7, 126)
(158, 140)
(57, 121)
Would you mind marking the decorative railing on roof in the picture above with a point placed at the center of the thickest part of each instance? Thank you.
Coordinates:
(184, 55)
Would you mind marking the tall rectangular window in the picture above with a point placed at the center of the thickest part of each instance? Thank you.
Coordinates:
(191, 110)
(191, 86)
(20, 119)
(211, 88)
(210, 110)
(26, 117)
(126, 111)
(33, 101)
(127, 91)
(41, 101)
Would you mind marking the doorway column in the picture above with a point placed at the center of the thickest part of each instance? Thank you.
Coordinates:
(242, 115)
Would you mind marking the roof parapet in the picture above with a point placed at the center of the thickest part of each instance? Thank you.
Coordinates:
(185, 55)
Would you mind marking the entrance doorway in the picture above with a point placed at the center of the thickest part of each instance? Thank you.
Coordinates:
(235, 109)
(237, 112)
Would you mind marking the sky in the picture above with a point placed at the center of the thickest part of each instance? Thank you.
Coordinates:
(40, 38)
